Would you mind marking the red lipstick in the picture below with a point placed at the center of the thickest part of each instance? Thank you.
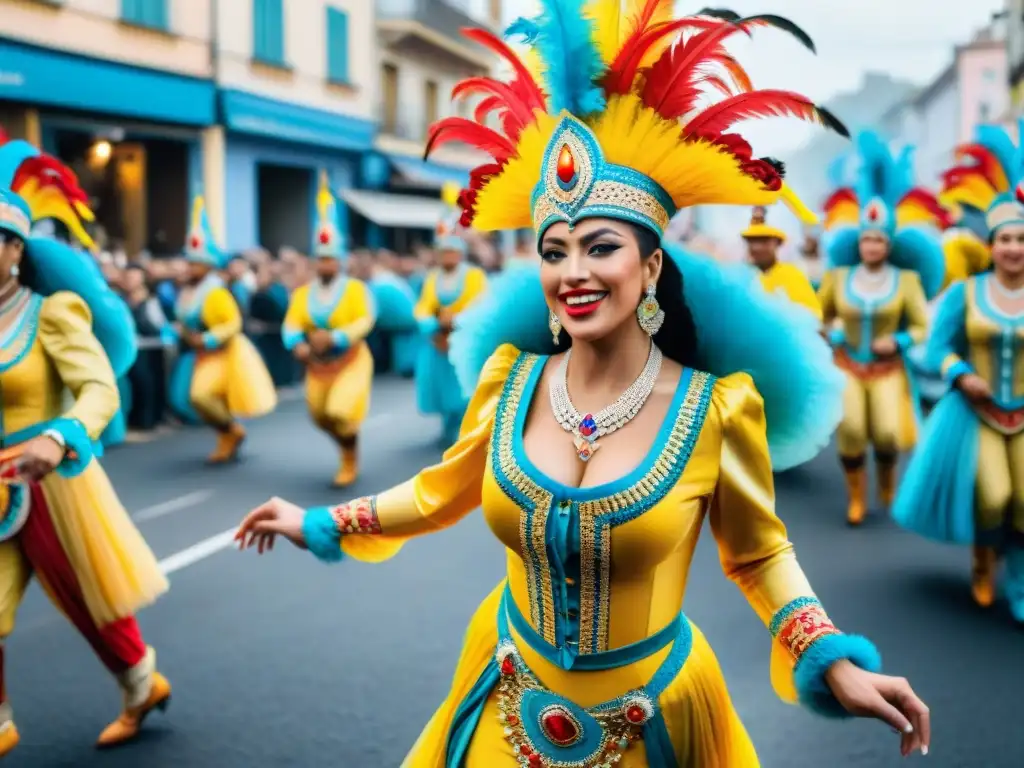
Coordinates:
(581, 302)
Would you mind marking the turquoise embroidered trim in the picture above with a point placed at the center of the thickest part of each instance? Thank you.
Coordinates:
(867, 309)
(1005, 347)
(784, 612)
(17, 341)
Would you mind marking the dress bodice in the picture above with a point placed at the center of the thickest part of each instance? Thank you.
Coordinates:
(994, 343)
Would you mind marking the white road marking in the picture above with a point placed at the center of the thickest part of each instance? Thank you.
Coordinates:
(197, 552)
(173, 505)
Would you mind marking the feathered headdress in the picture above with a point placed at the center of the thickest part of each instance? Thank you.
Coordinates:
(632, 116)
(48, 188)
(446, 234)
(329, 240)
(882, 197)
(201, 246)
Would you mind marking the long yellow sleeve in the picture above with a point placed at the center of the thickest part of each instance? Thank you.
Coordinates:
(428, 305)
(801, 291)
(915, 308)
(373, 529)
(65, 330)
(753, 546)
(827, 297)
(221, 317)
(296, 319)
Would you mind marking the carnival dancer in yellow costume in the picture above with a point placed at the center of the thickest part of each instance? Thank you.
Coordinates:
(882, 273)
(965, 482)
(451, 287)
(326, 327)
(221, 378)
(582, 656)
(60, 520)
(763, 243)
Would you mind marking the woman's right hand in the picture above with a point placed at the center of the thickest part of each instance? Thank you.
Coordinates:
(302, 352)
(975, 388)
(272, 518)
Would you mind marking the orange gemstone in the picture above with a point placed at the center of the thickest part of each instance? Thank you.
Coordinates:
(559, 727)
(566, 165)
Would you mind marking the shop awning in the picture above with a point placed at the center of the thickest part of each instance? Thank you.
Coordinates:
(421, 173)
(396, 211)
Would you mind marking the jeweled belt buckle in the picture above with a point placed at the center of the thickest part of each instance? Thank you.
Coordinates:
(548, 731)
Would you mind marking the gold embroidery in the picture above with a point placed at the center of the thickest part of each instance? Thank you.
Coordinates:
(357, 516)
(803, 627)
(606, 193)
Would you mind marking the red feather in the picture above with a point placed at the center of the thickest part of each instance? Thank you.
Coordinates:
(671, 86)
(476, 85)
(452, 129)
(985, 162)
(487, 105)
(838, 197)
(722, 116)
(48, 171)
(929, 202)
(529, 93)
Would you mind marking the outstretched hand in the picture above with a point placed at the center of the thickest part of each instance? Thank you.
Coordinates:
(266, 522)
(889, 699)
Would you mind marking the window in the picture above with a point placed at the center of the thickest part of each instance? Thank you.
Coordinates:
(389, 95)
(268, 31)
(145, 13)
(337, 46)
(988, 75)
(430, 100)
(984, 112)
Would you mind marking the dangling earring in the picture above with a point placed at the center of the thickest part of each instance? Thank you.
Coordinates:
(15, 271)
(649, 313)
(555, 326)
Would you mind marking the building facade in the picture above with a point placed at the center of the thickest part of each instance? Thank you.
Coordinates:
(1013, 16)
(122, 91)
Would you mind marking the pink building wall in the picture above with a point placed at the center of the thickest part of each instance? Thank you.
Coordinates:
(982, 77)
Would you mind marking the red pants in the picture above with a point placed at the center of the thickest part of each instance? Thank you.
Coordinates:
(119, 645)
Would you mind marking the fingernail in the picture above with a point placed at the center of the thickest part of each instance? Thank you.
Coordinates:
(908, 728)
(924, 750)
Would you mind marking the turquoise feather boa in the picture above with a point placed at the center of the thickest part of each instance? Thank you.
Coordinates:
(740, 327)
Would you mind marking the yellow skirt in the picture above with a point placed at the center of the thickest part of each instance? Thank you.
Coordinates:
(703, 726)
(237, 374)
(338, 394)
(116, 569)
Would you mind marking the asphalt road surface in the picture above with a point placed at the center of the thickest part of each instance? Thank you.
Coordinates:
(280, 661)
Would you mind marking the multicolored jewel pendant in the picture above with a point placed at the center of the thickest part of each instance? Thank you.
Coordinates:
(566, 172)
(586, 438)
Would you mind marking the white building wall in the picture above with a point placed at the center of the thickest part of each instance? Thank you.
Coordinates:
(939, 124)
(304, 80)
(93, 28)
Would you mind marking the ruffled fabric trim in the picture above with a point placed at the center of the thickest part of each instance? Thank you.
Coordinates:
(810, 669)
(321, 535)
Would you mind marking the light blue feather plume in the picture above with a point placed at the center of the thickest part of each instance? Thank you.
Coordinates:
(12, 155)
(878, 176)
(395, 303)
(998, 141)
(838, 172)
(563, 36)
(740, 327)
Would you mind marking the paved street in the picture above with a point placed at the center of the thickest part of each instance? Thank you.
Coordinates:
(279, 661)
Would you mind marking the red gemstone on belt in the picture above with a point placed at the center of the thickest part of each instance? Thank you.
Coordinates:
(508, 666)
(566, 165)
(636, 714)
(559, 727)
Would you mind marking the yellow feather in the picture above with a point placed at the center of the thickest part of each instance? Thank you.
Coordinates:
(663, 13)
(971, 191)
(51, 204)
(841, 215)
(197, 211)
(450, 193)
(797, 206)
(911, 213)
(965, 254)
(608, 27)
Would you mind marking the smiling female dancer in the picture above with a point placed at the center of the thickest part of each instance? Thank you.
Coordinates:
(60, 519)
(965, 483)
(885, 258)
(610, 415)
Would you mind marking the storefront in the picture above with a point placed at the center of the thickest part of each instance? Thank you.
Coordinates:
(133, 136)
(274, 154)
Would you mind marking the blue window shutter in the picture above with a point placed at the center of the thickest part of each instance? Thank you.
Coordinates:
(337, 45)
(146, 13)
(268, 31)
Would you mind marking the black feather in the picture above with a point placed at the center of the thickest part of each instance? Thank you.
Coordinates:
(778, 165)
(720, 13)
(784, 24)
(832, 122)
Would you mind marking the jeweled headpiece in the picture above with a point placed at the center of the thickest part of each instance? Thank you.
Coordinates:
(329, 240)
(624, 123)
(878, 194)
(40, 187)
(201, 246)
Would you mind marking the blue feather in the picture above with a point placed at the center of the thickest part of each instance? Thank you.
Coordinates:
(998, 141)
(563, 36)
(838, 172)
(919, 248)
(12, 155)
(740, 327)
(395, 303)
(58, 267)
(842, 247)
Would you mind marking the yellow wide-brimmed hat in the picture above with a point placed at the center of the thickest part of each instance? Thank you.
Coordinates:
(759, 227)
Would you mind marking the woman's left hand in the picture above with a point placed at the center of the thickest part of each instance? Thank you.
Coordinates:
(39, 457)
(885, 347)
(889, 699)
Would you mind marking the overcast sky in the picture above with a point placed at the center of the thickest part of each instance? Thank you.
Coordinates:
(912, 39)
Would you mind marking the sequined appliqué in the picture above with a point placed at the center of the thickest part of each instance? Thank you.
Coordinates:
(800, 624)
(357, 516)
(20, 334)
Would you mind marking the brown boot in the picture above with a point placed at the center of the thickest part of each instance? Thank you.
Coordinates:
(886, 469)
(229, 442)
(857, 488)
(349, 470)
(983, 576)
(9, 737)
(144, 689)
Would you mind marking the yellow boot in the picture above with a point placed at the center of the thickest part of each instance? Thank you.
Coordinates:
(856, 485)
(9, 737)
(983, 576)
(886, 467)
(144, 689)
(349, 470)
(229, 442)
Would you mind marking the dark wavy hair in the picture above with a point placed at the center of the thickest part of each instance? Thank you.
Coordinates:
(27, 275)
(677, 338)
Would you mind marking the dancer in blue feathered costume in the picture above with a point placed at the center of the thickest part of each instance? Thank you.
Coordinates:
(965, 483)
(62, 328)
(885, 261)
(396, 319)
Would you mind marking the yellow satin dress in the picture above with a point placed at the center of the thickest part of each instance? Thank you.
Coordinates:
(337, 387)
(788, 281)
(230, 380)
(636, 539)
(878, 407)
(115, 568)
